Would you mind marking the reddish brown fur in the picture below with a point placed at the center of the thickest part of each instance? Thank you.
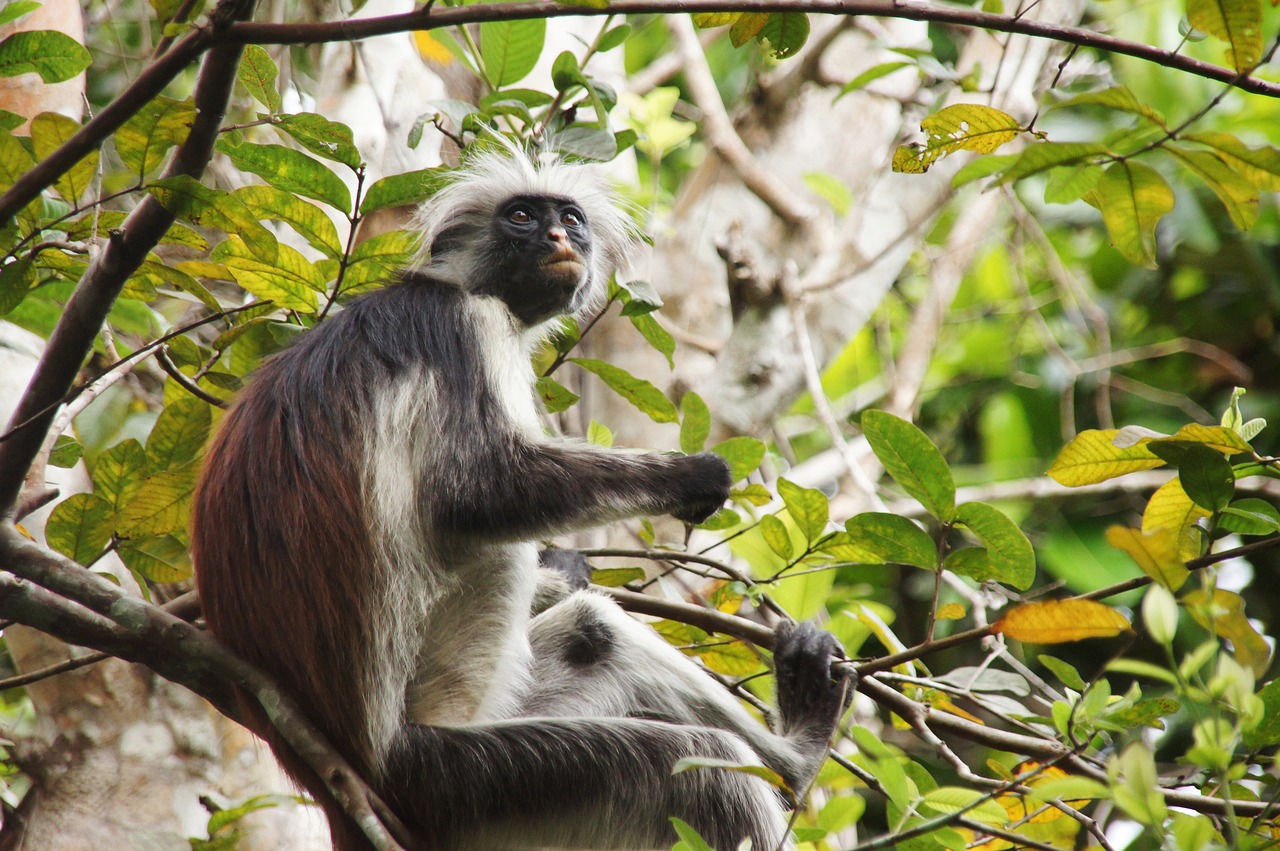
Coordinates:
(256, 545)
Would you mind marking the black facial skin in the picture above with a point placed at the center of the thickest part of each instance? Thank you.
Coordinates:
(540, 246)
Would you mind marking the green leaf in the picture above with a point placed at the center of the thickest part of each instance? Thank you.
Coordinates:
(157, 559)
(399, 190)
(640, 393)
(289, 170)
(322, 137)
(287, 278)
(186, 197)
(144, 139)
(258, 74)
(962, 127)
(656, 335)
(161, 506)
(1118, 98)
(16, 280)
(179, 433)
(950, 800)
(555, 397)
(1237, 22)
(1250, 516)
(119, 473)
(1008, 550)
(1133, 198)
(379, 260)
(14, 160)
(1065, 672)
(614, 37)
(590, 144)
(510, 49)
(870, 75)
(743, 455)
(53, 55)
(892, 539)
(67, 452)
(1238, 195)
(307, 220)
(690, 839)
(1042, 156)
(1267, 732)
(775, 534)
(785, 33)
(1207, 477)
(616, 577)
(80, 527)
(808, 507)
(48, 131)
(17, 9)
(1072, 183)
(915, 463)
(695, 423)
(831, 189)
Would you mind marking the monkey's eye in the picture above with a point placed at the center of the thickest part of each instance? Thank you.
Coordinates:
(571, 218)
(520, 215)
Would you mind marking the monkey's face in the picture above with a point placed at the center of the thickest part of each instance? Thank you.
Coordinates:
(542, 251)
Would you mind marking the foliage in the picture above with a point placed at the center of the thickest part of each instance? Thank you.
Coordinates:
(1164, 729)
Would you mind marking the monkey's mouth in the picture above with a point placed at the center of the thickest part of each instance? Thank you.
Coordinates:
(562, 263)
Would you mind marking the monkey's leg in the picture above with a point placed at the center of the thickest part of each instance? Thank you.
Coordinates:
(592, 658)
(599, 783)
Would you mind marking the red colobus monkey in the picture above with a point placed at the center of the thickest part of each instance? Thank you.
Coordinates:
(364, 531)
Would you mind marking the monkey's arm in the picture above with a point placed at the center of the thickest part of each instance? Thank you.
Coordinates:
(549, 488)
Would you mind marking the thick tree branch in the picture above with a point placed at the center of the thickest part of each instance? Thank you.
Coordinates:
(433, 17)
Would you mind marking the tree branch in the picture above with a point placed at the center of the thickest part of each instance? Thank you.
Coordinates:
(434, 17)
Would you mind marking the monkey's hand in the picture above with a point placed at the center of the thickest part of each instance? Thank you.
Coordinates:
(811, 694)
(702, 488)
(570, 566)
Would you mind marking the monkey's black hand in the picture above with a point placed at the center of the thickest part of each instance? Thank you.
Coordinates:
(704, 486)
(570, 565)
(810, 693)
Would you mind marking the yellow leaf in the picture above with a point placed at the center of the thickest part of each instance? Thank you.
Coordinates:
(1218, 438)
(950, 612)
(1092, 456)
(1158, 553)
(1171, 508)
(1223, 613)
(1058, 621)
(960, 127)
(430, 49)
(747, 27)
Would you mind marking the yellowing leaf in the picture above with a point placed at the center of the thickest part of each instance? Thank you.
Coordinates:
(747, 27)
(1157, 553)
(731, 658)
(1092, 456)
(1171, 508)
(1223, 613)
(950, 612)
(430, 49)
(962, 127)
(1058, 621)
(1237, 22)
(706, 20)
(1222, 439)
(1133, 198)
